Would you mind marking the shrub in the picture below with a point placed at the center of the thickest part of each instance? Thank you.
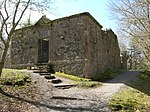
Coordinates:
(145, 74)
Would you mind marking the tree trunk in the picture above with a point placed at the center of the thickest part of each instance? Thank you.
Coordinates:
(1, 67)
(4, 57)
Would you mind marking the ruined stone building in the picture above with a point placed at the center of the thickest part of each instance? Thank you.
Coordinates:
(76, 45)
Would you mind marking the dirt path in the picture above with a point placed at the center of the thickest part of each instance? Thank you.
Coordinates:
(78, 99)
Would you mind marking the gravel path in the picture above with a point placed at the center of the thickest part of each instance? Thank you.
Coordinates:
(78, 99)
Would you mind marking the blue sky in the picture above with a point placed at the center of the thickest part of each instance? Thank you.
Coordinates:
(97, 8)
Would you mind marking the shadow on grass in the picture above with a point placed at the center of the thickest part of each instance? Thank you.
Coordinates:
(134, 80)
(141, 84)
(55, 108)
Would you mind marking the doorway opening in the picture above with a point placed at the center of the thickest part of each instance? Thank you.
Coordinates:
(43, 50)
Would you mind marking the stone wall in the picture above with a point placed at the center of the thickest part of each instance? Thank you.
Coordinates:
(23, 48)
(77, 45)
(26, 49)
(67, 45)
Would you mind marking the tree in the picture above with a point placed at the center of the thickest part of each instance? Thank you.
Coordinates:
(11, 14)
(133, 17)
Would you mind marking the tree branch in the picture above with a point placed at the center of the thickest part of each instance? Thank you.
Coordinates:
(21, 15)
(2, 27)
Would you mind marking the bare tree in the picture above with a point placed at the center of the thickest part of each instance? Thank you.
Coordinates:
(11, 14)
(133, 17)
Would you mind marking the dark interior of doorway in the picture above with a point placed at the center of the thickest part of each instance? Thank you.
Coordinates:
(43, 50)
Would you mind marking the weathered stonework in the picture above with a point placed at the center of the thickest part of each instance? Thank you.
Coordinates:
(76, 45)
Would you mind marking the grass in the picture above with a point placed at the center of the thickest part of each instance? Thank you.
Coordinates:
(134, 98)
(14, 77)
(107, 75)
(15, 84)
(71, 77)
(80, 82)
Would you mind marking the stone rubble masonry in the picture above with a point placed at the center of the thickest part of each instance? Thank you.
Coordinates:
(77, 45)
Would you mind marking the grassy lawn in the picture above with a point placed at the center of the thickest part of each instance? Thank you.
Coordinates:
(15, 88)
(134, 98)
(80, 82)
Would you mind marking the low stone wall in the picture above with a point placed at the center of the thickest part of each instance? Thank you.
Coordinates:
(74, 67)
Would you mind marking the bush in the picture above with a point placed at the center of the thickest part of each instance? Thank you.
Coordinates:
(145, 75)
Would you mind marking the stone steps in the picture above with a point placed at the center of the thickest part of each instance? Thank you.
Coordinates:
(57, 83)
(45, 74)
(49, 77)
(64, 86)
(39, 71)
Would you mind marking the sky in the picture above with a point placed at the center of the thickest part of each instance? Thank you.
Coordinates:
(97, 8)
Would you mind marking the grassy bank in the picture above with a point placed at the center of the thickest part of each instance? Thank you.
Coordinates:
(15, 89)
(134, 98)
(105, 76)
(80, 82)
(13, 77)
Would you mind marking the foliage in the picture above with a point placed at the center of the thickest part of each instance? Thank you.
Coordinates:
(145, 74)
(107, 75)
(143, 83)
(14, 78)
(135, 98)
(133, 18)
